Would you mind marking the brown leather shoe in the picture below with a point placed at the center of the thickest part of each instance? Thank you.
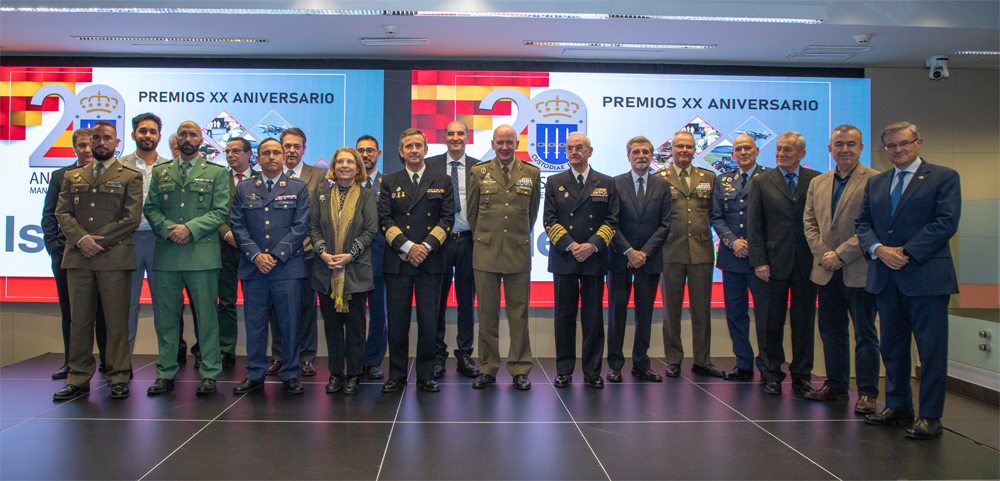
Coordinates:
(827, 393)
(865, 405)
(273, 366)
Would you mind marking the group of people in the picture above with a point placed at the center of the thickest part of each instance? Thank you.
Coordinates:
(860, 240)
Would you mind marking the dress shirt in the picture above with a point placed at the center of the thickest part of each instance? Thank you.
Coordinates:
(461, 221)
(297, 169)
(420, 176)
(912, 169)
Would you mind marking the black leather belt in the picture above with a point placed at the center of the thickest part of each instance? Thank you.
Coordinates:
(459, 235)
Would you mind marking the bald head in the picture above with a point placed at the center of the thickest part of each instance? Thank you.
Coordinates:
(188, 140)
(745, 152)
(504, 143)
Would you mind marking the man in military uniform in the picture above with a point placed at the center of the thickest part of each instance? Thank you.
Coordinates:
(580, 203)
(99, 208)
(188, 201)
(729, 218)
(416, 210)
(504, 194)
(688, 255)
(269, 218)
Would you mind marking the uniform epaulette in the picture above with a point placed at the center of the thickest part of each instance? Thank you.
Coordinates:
(533, 166)
(661, 172)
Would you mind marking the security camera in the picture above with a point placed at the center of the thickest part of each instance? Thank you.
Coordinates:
(863, 39)
(390, 30)
(938, 65)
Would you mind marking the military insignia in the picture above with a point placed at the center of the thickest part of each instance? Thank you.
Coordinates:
(435, 191)
(253, 196)
(566, 195)
(399, 188)
(287, 197)
(164, 197)
(76, 199)
(561, 188)
(525, 182)
(483, 171)
(259, 182)
(921, 177)
(281, 184)
(166, 178)
(322, 198)
(113, 183)
(77, 176)
(599, 192)
(703, 187)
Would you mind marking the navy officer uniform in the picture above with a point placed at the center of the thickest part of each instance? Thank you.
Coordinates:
(422, 213)
(273, 223)
(586, 213)
(729, 219)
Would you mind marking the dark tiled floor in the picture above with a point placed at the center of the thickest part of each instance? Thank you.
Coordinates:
(693, 427)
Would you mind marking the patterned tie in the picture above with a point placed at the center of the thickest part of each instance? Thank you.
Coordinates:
(743, 183)
(897, 191)
(506, 175)
(185, 167)
(791, 183)
(642, 190)
(454, 184)
(270, 183)
(684, 178)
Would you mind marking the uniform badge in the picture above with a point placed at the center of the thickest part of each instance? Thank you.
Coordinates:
(561, 188)
(599, 192)
(322, 198)
(253, 196)
(483, 171)
(435, 191)
(281, 184)
(258, 183)
(76, 199)
(164, 197)
(921, 177)
(566, 195)
(525, 182)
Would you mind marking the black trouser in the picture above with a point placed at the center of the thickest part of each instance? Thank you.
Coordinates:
(345, 334)
(400, 290)
(620, 286)
(586, 291)
(457, 260)
(775, 294)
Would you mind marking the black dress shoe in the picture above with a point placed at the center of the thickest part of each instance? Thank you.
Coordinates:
(247, 386)
(738, 374)
(563, 380)
(293, 386)
(391, 385)
(160, 386)
(373, 372)
(925, 428)
(773, 387)
(429, 385)
(207, 386)
(102, 368)
(228, 360)
(890, 417)
(307, 368)
(182, 356)
(709, 370)
(197, 360)
(70, 392)
(438, 369)
(467, 367)
(674, 370)
(119, 390)
(595, 382)
(335, 385)
(483, 380)
(827, 393)
(273, 366)
(61, 373)
(615, 375)
(351, 386)
(647, 375)
(521, 382)
(802, 386)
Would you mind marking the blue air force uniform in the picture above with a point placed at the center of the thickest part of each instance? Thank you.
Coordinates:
(729, 219)
(273, 223)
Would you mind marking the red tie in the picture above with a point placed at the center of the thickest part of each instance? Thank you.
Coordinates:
(239, 178)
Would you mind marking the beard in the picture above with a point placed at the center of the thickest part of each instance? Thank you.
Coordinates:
(147, 145)
(101, 157)
(189, 149)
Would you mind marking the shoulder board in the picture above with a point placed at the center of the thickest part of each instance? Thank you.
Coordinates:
(531, 166)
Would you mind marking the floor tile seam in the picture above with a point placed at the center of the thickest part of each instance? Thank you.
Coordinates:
(769, 433)
(399, 407)
(196, 433)
(14, 425)
(573, 420)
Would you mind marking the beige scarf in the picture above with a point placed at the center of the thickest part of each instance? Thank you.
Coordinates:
(341, 223)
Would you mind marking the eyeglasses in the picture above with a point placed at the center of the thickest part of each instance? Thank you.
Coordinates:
(234, 151)
(368, 150)
(902, 145)
(576, 148)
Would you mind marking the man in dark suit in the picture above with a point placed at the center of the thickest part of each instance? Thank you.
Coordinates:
(377, 340)
(416, 211)
(635, 258)
(270, 217)
(293, 141)
(99, 207)
(688, 255)
(839, 269)
(457, 254)
(580, 203)
(729, 218)
(55, 243)
(782, 261)
(907, 217)
(238, 152)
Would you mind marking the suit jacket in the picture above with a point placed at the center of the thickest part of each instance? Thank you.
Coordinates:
(52, 235)
(643, 226)
(315, 178)
(227, 227)
(501, 215)
(378, 245)
(729, 217)
(421, 214)
(776, 233)
(925, 219)
(201, 203)
(108, 206)
(581, 215)
(362, 229)
(825, 233)
(690, 237)
(273, 223)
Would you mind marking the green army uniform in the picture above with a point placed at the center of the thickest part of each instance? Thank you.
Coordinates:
(199, 200)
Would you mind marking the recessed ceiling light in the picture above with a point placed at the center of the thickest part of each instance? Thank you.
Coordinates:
(699, 18)
(396, 42)
(546, 43)
(174, 39)
(835, 49)
(976, 52)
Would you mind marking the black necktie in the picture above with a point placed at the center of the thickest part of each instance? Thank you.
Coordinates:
(416, 180)
(791, 183)
(454, 184)
(579, 179)
(368, 183)
(642, 190)
(270, 183)
(743, 183)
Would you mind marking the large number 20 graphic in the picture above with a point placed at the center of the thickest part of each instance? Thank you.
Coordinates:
(94, 103)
